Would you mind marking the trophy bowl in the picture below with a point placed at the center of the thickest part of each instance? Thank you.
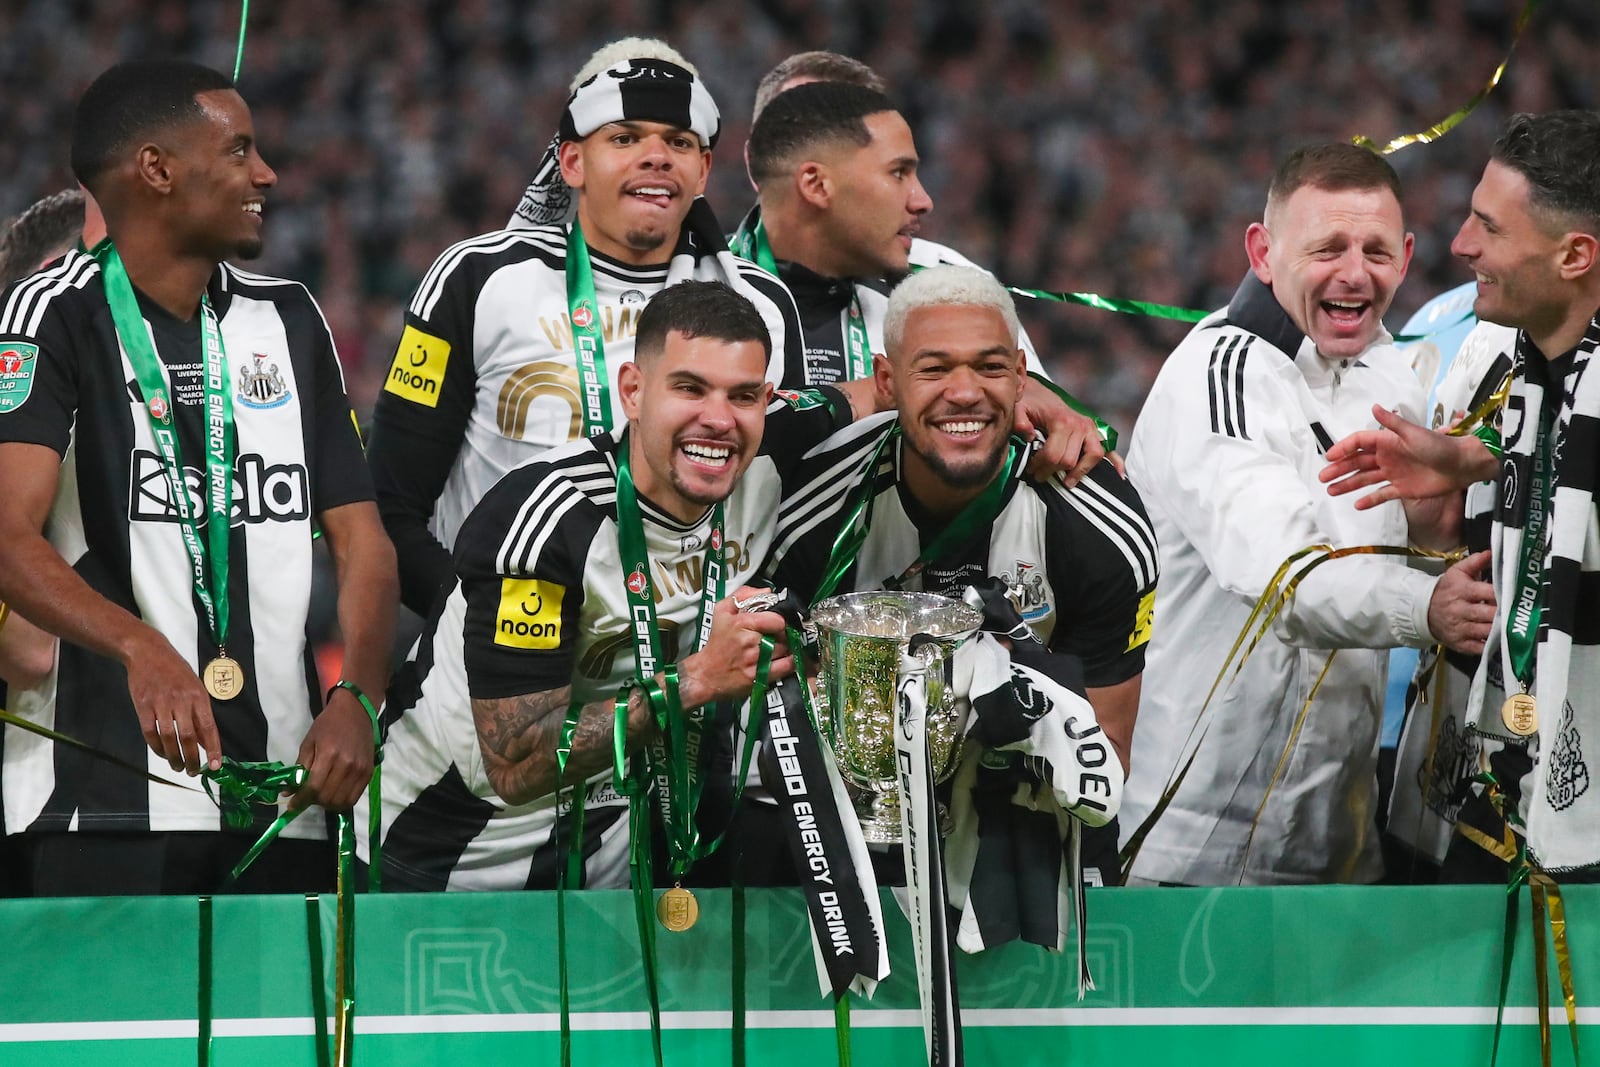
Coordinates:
(861, 637)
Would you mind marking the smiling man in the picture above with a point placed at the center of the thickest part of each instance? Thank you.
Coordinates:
(946, 504)
(1532, 240)
(514, 339)
(1226, 454)
(606, 564)
(178, 428)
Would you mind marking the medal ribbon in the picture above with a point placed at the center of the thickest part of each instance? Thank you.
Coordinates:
(751, 243)
(583, 309)
(979, 512)
(210, 585)
(1522, 621)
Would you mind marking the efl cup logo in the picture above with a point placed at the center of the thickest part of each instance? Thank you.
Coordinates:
(158, 407)
(10, 361)
(583, 316)
(716, 540)
(638, 583)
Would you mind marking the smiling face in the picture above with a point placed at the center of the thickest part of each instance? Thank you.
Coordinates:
(956, 376)
(1516, 260)
(696, 413)
(220, 180)
(636, 181)
(877, 201)
(1334, 260)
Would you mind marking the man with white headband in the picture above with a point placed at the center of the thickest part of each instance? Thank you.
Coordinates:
(513, 339)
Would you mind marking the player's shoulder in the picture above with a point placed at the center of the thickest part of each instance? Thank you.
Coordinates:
(1104, 517)
(65, 287)
(470, 261)
(556, 501)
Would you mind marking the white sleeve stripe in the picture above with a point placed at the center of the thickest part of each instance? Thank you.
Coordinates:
(820, 500)
(556, 493)
(1143, 533)
(1116, 530)
(25, 309)
(432, 287)
(551, 493)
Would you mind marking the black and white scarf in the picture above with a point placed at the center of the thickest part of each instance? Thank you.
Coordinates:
(1562, 802)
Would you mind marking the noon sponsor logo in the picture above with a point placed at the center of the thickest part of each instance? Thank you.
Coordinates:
(417, 373)
(529, 615)
(262, 491)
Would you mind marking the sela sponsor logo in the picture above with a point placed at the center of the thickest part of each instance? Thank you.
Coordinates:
(17, 362)
(262, 491)
(417, 373)
(529, 615)
(261, 385)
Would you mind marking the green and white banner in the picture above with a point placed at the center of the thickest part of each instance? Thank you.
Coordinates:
(1308, 976)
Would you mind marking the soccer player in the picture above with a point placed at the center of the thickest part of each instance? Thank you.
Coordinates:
(177, 426)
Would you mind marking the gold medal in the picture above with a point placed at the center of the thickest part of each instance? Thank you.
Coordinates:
(677, 909)
(223, 677)
(1520, 713)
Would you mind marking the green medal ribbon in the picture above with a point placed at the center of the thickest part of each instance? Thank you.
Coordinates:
(1522, 621)
(751, 243)
(584, 311)
(979, 512)
(210, 584)
(673, 767)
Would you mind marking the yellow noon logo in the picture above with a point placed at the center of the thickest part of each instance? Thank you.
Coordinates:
(417, 373)
(529, 614)
(1141, 625)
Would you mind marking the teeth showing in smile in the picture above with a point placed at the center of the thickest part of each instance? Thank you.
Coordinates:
(254, 209)
(652, 190)
(1483, 279)
(969, 427)
(714, 457)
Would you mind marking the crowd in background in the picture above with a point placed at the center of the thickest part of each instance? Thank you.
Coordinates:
(1069, 145)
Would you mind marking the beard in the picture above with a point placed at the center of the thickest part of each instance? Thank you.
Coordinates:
(967, 475)
(645, 240)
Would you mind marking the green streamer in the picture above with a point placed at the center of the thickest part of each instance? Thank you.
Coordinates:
(841, 1027)
(203, 996)
(238, 58)
(344, 993)
(737, 959)
(319, 993)
(1106, 303)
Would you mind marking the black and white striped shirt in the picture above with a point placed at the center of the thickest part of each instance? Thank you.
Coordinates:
(539, 603)
(297, 454)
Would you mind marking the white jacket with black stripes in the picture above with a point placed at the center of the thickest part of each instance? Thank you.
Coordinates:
(1226, 455)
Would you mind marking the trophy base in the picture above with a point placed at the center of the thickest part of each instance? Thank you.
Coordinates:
(879, 816)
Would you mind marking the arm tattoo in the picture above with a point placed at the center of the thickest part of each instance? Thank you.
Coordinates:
(518, 736)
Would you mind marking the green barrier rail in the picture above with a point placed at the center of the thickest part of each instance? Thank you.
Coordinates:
(1309, 976)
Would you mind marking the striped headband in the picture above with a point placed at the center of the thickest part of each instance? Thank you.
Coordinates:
(642, 90)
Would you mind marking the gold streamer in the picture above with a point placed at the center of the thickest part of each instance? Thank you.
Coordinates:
(1276, 594)
(1283, 761)
(1439, 129)
(1558, 934)
(1541, 969)
(1481, 414)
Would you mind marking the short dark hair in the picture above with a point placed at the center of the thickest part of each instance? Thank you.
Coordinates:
(698, 309)
(807, 117)
(132, 101)
(1559, 155)
(41, 233)
(817, 66)
(1334, 168)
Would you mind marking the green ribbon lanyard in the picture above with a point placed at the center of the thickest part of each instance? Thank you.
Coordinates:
(677, 779)
(1522, 621)
(584, 311)
(750, 242)
(979, 512)
(211, 589)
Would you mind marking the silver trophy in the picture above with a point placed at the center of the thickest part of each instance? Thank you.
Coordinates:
(862, 637)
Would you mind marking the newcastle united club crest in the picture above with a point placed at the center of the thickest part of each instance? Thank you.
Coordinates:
(261, 385)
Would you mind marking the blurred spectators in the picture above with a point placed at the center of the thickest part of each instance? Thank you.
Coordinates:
(1120, 149)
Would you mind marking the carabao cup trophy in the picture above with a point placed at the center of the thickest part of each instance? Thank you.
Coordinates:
(861, 637)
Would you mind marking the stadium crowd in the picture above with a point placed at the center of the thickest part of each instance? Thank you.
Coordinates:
(1117, 149)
